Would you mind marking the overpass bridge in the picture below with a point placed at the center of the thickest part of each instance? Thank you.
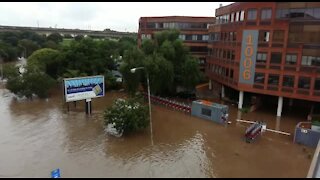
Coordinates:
(72, 32)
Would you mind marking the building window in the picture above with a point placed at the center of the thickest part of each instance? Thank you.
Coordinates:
(151, 25)
(264, 36)
(237, 16)
(273, 80)
(283, 13)
(188, 37)
(194, 37)
(317, 85)
(206, 112)
(232, 17)
(288, 81)
(232, 55)
(259, 78)
(275, 58)
(234, 37)
(231, 73)
(278, 36)
(252, 14)
(291, 59)
(261, 57)
(266, 14)
(182, 37)
(304, 83)
(205, 37)
(310, 61)
(241, 15)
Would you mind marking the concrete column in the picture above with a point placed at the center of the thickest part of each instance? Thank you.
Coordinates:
(280, 103)
(240, 100)
(222, 91)
(210, 84)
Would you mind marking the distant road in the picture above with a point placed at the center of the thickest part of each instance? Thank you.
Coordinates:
(72, 32)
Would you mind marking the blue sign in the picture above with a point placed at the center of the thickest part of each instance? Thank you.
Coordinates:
(83, 88)
(55, 173)
(248, 56)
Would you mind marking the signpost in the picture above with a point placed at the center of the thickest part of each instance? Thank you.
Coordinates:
(84, 88)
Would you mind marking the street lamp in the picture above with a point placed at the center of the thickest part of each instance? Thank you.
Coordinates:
(1, 62)
(133, 70)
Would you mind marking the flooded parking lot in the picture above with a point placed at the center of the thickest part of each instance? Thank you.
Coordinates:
(40, 135)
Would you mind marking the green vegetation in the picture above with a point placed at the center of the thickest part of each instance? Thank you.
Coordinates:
(168, 63)
(127, 115)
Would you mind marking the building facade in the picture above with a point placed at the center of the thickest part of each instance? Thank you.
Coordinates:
(193, 32)
(269, 48)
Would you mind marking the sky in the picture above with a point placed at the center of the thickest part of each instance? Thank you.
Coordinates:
(118, 16)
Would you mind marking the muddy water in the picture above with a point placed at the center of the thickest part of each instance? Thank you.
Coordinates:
(40, 135)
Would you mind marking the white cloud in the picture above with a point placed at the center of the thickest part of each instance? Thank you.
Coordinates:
(120, 16)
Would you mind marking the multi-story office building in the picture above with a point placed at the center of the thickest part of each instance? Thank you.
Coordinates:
(269, 48)
(193, 32)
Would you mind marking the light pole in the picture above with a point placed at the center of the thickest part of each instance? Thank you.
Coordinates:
(133, 70)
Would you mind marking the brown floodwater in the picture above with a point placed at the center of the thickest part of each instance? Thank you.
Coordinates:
(39, 136)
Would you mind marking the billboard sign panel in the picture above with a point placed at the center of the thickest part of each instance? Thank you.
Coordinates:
(83, 88)
(248, 56)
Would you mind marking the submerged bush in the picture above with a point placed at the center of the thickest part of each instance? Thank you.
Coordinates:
(126, 116)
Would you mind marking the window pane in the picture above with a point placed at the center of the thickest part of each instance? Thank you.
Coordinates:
(273, 79)
(317, 85)
(266, 14)
(304, 83)
(252, 14)
(241, 15)
(278, 35)
(259, 78)
(206, 112)
(291, 59)
(261, 57)
(275, 58)
(288, 81)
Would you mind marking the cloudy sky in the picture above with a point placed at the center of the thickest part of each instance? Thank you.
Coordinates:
(119, 16)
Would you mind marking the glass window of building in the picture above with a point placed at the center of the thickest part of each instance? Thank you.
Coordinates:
(297, 13)
(205, 37)
(264, 36)
(241, 16)
(188, 37)
(252, 14)
(261, 57)
(199, 37)
(276, 58)
(310, 61)
(317, 85)
(278, 36)
(232, 55)
(259, 78)
(266, 14)
(234, 38)
(273, 79)
(291, 59)
(182, 37)
(316, 13)
(288, 81)
(194, 37)
(151, 25)
(232, 17)
(304, 83)
(237, 16)
(231, 73)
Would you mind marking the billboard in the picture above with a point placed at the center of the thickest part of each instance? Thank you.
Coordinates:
(248, 56)
(80, 88)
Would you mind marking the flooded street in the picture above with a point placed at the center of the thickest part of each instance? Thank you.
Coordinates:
(39, 136)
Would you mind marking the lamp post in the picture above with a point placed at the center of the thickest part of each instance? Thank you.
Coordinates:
(133, 70)
(1, 61)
